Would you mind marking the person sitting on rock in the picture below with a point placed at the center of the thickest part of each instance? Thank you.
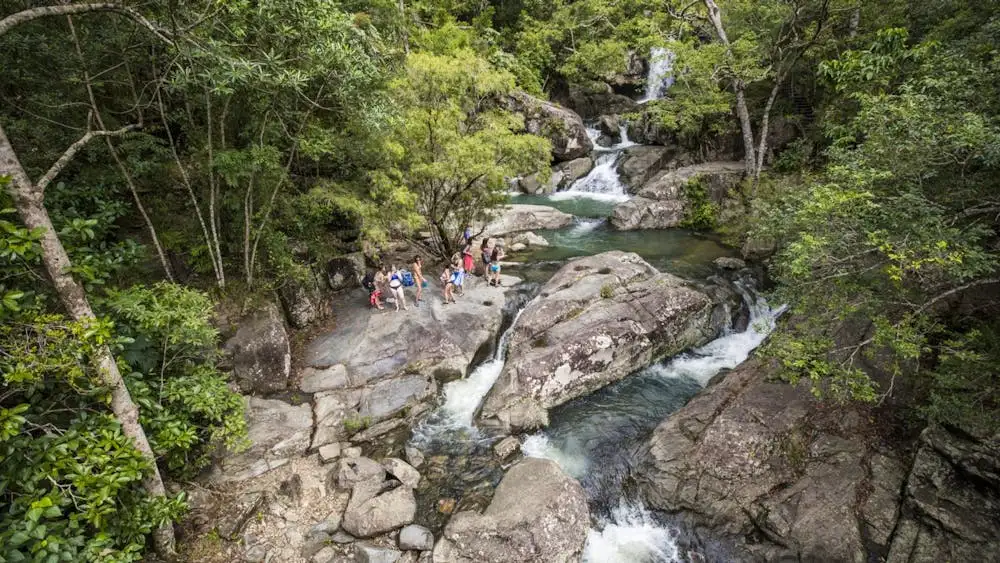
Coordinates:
(495, 258)
(396, 287)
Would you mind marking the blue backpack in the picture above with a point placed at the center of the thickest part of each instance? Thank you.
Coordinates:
(407, 278)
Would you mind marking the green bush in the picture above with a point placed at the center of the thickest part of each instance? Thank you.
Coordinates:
(702, 212)
(607, 291)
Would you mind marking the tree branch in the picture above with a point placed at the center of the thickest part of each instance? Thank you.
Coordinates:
(75, 148)
(30, 14)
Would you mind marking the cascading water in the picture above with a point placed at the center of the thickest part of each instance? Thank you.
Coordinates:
(602, 182)
(660, 77)
(593, 438)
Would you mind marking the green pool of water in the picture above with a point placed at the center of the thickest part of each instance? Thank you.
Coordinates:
(579, 206)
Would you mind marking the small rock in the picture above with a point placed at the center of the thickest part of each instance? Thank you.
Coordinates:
(402, 471)
(446, 505)
(235, 518)
(329, 452)
(369, 553)
(416, 537)
(518, 247)
(256, 554)
(368, 516)
(325, 555)
(414, 456)
(506, 447)
(341, 537)
(356, 469)
(729, 263)
(314, 544)
(350, 452)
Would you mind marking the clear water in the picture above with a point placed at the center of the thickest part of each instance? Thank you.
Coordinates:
(594, 439)
(579, 206)
(660, 77)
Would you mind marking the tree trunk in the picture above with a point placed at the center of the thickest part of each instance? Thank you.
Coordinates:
(749, 157)
(29, 202)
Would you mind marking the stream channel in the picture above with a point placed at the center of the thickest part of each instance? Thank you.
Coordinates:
(593, 438)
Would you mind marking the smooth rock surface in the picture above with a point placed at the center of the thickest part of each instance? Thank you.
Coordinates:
(414, 537)
(538, 514)
(529, 239)
(522, 217)
(277, 431)
(573, 170)
(260, 352)
(403, 471)
(345, 272)
(597, 320)
(562, 126)
(369, 514)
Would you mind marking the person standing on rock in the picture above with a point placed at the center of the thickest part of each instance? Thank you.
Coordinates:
(495, 258)
(485, 249)
(381, 280)
(447, 282)
(396, 287)
(374, 295)
(418, 277)
(468, 261)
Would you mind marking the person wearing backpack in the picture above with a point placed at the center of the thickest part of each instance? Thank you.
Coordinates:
(396, 288)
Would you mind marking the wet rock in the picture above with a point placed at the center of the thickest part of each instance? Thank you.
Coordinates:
(609, 125)
(573, 170)
(413, 456)
(346, 271)
(365, 552)
(403, 471)
(783, 470)
(329, 452)
(729, 263)
(414, 537)
(594, 98)
(376, 431)
(537, 514)
(520, 217)
(277, 432)
(641, 163)
(600, 318)
(369, 514)
(355, 470)
(324, 379)
(446, 505)
(506, 447)
(260, 352)
(237, 514)
(563, 127)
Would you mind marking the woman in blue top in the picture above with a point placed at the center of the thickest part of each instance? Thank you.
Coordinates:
(396, 287)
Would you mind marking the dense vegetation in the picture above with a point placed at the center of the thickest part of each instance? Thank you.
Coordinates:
(158, 157)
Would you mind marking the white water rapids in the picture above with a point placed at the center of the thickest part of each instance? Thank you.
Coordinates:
(631, 534)
(603, 182)
(660, 77)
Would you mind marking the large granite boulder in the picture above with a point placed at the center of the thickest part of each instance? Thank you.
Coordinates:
(371, 512)
(563, 127)
(597, 320)
(345, 272)
(538, 515)
(304, 300)
(592, 99)
(765, 466)
(278, 432)
(518, 218)
(379, 365)
(951, 505)
(260, 353)
(640, 163)
(662, 202)
(573, 170)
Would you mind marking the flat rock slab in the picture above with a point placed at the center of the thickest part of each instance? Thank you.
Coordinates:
(277, 431)
(377, 364)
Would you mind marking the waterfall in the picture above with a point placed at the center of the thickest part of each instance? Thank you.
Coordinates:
(659, 78)
(592, 437)
(601, 183)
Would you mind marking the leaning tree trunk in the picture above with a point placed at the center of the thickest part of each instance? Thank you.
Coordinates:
(29, 201)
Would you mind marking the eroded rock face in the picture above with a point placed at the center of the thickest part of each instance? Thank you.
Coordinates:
(381, 365)
(573, 170)
(661, 203)
(346, 271)
(595, 98)
(641, 163)
(597, 320)
(304, 301)
(538, 514)
(278, 432)
(260, 352)
(560, 125)
(748, 457)
(520, 217)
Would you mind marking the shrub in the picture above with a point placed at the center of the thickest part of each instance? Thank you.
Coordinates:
(607, 291)
(701, 211)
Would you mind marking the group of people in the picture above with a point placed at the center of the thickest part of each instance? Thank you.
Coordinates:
(389, 282)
